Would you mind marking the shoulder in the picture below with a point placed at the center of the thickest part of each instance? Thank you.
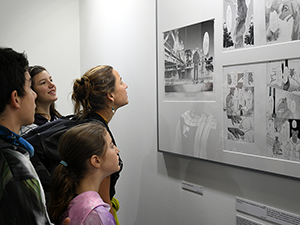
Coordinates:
(100, 216)
(93, 218)
(18, 162)
(87, 199)
(82, 205)
(8, 150)
(5, 169)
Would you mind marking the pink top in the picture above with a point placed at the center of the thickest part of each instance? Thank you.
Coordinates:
(89, 209)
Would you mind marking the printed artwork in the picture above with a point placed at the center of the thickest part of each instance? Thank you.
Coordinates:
(189, 61)
(237, 102)
(246, 25)
(238, 25)
(246, 130)
(239, 106)
(283, 112)
(282, 19)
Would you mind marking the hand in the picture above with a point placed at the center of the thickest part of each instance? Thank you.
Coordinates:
(234, 119)
(236, 132)
(67, 221)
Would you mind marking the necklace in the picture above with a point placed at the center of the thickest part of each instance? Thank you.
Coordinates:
(103, 118)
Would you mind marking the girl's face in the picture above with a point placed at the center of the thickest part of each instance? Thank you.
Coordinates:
(45, 88)
(110, 160)
(120, 93)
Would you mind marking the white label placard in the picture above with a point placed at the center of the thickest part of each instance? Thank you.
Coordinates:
(245, 221)
(265, 212)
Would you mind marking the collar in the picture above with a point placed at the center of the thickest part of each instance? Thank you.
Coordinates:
(40, 120)
(15, 139)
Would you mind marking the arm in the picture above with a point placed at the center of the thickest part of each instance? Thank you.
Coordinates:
(21, 198)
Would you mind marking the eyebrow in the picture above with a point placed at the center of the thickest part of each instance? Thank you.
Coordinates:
(47, 78)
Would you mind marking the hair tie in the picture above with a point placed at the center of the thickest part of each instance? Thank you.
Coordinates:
(81, 82)
(63, 163)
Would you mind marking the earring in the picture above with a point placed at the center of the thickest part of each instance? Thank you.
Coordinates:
(112, 108)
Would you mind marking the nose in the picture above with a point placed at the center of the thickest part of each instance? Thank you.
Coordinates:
(117, 150)
(51, 84)
(34, 94)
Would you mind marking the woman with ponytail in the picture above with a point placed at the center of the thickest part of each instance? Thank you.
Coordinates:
(97, 95)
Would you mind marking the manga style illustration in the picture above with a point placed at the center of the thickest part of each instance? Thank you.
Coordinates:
(189, 54)
(239, 106)
(283, 115)
(238, 25)
(282, 18)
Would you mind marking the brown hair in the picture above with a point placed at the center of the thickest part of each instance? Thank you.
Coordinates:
(34, 70)
(90, 91)
(75, 147)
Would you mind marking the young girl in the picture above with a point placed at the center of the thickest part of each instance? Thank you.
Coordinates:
(45, 88)
(88, 156)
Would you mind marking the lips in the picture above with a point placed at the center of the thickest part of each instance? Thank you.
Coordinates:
(52, 92)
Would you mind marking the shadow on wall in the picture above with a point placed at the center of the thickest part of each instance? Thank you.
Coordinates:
(266, 188)
(161, 199)
(201, 172)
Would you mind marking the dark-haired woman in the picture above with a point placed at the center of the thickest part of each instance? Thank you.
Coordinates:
(44, 87)
(98, 94)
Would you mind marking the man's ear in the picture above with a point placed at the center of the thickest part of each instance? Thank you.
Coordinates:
(15, 100)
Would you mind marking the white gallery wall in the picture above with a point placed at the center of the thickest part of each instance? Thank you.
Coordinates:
(77, 35)
(48, 31)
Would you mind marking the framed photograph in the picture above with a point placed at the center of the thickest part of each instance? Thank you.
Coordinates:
(228, 84)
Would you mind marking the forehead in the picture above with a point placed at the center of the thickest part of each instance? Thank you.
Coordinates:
(107, 139)
(42, 75)
(116, 74)
(107, 136)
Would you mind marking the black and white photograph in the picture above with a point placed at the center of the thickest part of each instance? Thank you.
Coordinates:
(189, 61)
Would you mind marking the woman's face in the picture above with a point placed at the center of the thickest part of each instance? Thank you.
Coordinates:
(120, 97)
(110, 160)
(45, 88)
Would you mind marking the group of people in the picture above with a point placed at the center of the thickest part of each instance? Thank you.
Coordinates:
(83, 184)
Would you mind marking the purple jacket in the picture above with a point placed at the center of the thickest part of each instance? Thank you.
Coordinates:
(89, 209)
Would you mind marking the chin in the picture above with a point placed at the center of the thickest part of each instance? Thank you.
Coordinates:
(28, 122)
